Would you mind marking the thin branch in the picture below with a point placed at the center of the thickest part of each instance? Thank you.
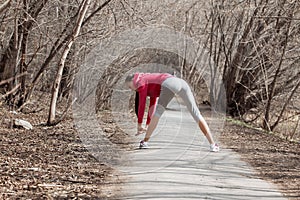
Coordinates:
(5, 5)
(285, 105)
(12, 78)
(11, 91)
(278, 17)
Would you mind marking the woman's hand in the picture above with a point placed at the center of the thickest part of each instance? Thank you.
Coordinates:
(140, 130)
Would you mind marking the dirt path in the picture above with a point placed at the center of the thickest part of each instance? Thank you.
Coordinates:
(179, 166)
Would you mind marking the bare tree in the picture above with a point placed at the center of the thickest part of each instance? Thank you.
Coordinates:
(81, 14)
(62, 39)
(10, 64)
(255, 44)
(273, 83)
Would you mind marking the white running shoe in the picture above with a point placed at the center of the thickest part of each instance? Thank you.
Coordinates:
(143, 145)
(214, 148)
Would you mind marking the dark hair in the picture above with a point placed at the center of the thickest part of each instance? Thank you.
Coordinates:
(129, 78)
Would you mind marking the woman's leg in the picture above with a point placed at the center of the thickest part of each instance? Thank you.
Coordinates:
(151, 127)
(205, 130)
(165, 97)
(189, 100)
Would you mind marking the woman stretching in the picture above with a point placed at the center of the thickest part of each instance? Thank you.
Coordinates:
(165, 86)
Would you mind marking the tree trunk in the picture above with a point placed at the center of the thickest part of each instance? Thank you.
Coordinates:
(23, 66)
(75, 33)
(9, 66)
(233, 69)
(273, 84)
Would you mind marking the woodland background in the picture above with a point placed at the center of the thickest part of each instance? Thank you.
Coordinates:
(255, 44)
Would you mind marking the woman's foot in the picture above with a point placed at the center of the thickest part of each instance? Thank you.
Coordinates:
(143, 145)
(214, 148)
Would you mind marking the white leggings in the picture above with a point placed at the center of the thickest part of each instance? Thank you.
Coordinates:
(178, 86)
